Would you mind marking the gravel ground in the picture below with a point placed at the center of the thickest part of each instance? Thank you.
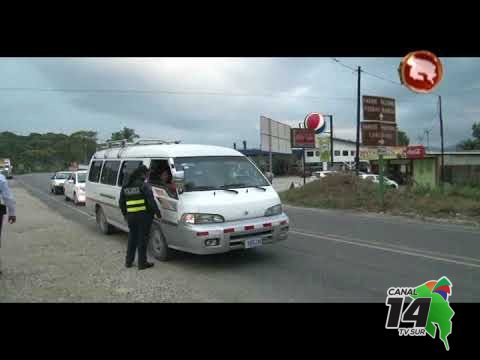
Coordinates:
(42, 261)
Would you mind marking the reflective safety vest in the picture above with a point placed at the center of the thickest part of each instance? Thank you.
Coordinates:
(135, 200)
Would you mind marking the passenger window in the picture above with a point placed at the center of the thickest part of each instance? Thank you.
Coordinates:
(127, 168)
(95, 169)
(161, 175)
(109, 172)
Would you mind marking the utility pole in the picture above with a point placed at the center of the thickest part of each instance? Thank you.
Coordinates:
(357, 153)
(442, 170)
(331, 139)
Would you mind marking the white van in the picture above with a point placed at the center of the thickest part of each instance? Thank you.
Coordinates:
(220, 202)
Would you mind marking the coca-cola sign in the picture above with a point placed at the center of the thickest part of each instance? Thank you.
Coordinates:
(415, 152)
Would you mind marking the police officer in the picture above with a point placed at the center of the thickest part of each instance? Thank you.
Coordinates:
(7, 205)
(139, 208)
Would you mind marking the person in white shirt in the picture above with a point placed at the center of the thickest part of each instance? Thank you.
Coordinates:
(7, 205)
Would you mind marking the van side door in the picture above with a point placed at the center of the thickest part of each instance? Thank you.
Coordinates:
(166, 197)
(126, 169)
(109, 192)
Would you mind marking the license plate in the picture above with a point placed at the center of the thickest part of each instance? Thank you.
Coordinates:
(251, 243)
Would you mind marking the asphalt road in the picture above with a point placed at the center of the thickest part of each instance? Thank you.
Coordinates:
(330, 256)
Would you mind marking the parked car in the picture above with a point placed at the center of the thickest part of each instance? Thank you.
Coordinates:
(322, 174)
(222, 201)
(6, 168)
(57, 181)
(74, 187)
(376, 179)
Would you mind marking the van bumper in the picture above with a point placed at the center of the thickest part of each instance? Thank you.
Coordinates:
(232, 235)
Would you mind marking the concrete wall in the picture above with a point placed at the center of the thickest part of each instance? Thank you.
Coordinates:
(425, 172)
(452, 160)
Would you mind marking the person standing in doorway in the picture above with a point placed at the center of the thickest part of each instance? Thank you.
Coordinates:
(138, 206)
(7, 206)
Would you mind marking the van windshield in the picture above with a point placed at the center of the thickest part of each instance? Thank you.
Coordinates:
(219, 172)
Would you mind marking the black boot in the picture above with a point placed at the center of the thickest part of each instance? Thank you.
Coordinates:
(145, 266)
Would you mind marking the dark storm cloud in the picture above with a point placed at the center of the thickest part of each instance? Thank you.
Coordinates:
(224, 119)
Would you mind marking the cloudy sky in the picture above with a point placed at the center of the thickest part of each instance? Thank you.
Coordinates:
(220, 100)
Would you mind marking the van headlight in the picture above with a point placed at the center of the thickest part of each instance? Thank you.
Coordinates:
(195, 219)
(274, 210)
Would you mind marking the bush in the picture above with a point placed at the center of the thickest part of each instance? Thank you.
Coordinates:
(346, 191)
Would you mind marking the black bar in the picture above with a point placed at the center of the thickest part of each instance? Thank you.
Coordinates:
(357, 153)
(442, 179)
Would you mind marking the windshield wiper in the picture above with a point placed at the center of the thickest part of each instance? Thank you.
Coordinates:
(226, 187)
(259, 187)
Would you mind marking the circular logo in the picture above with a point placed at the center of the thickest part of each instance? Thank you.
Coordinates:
(315, 121)
(421, 71)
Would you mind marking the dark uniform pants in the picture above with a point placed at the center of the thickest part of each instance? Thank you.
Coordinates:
(139, 225)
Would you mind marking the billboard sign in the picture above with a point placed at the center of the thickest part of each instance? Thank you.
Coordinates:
(415, 152)
(389, 152)
(275, 136)
(377, 108)
(376, 133)
(323, 144)
(303, 138)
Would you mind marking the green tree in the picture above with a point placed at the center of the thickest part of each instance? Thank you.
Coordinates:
(403, 139)
(124, 134)
(472, 144)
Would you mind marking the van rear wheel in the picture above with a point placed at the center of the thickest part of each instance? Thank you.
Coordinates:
(102, 223)
(157, 244)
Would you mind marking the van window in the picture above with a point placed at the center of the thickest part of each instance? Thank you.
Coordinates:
(156, 169)
(127, 168)
(345, 153)
(109, 172)
(95, 169)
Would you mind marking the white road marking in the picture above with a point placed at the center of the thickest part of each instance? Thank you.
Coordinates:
(394, 246)
(382, 248)
(54, 199)
(389, 219)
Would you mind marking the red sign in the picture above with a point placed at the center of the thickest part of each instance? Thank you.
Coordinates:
(415, 152)
(303, 138)
(421, 71)
(315, 121)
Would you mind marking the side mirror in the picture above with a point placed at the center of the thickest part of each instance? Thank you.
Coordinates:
(71, 181)
(53, 177)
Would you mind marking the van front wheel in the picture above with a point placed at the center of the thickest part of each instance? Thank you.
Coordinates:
(157, 244)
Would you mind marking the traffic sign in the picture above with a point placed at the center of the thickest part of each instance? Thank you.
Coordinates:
(375, 133)
(421, 71)
(315, 121)
(378, 108)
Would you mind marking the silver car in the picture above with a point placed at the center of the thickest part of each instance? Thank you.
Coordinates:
(57, 182)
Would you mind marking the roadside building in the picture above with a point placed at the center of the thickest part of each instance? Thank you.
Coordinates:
(461, 167)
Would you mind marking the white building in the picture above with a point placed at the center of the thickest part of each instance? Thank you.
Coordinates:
(344, 151)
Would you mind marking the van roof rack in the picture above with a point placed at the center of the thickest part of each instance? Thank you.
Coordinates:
(110, 144)
(154, 141)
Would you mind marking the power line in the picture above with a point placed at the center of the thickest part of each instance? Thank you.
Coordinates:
(171, 92)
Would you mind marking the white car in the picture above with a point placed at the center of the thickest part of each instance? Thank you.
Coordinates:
(57, 181)
(376, 179)
(322, 174)
(74, 187)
